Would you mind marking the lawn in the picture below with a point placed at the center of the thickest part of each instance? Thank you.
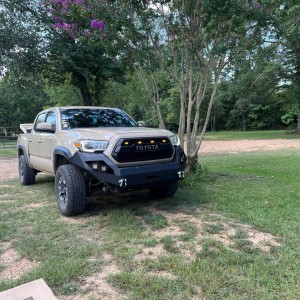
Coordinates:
(231, 232)
(8, 152)
(251, 135)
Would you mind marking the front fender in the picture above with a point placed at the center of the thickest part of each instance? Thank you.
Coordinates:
(60, 151)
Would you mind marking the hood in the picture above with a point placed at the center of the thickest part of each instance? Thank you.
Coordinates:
(106, 133)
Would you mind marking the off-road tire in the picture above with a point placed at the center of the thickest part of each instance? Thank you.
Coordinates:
(26, 173)
(165, 191)
(70, 190)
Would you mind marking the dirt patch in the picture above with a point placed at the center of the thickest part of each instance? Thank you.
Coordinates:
(35, 205)
(14, 265)
(151, 253)
(224, 231)
(96, 286)
(262, 240)
(164, 274)
(172, 230)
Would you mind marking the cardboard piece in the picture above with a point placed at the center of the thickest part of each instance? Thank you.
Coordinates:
(34, 290)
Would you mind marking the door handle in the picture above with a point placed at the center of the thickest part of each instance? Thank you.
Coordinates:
(40, 141)
(30, 141)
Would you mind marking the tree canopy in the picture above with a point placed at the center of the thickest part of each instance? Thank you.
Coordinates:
(183, 65)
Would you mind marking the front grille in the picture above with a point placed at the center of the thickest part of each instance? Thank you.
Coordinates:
(143, 149)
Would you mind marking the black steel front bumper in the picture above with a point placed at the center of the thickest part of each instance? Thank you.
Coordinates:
(135, 177)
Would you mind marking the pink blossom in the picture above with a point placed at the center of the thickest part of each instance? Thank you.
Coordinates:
(95, 24)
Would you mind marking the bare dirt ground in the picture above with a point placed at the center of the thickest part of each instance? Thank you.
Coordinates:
(248, 145)
(9, 166)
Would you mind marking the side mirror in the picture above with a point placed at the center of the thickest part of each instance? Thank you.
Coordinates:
(45, 126)
(142, 124)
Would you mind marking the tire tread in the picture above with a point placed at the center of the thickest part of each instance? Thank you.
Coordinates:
(29, 173)
(76, 190)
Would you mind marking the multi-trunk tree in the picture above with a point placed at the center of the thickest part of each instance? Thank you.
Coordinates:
(195, 41)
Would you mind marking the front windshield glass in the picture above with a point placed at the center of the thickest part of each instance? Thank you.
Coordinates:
(101, 117)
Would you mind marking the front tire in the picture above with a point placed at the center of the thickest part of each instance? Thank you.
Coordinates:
(70, 190)
(165, 191)
(26, 173)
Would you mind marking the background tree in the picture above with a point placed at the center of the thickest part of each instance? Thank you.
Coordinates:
(19, 102)
(250, 97)
(22, 39)
(288, 25)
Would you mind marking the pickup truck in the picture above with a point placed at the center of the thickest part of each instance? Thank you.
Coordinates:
(98, 149)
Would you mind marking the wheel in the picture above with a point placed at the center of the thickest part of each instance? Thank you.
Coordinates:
(70, 190)
(165, 191)
(26, 173)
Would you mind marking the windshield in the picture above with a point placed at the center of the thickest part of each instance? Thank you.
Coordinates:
(100, 117)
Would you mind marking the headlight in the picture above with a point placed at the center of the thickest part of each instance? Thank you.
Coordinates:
(175, 140)
(91, 146)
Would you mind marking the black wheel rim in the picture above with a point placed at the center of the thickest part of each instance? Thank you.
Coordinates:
(62, 191)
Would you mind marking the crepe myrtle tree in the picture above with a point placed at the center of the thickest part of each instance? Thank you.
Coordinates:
(89, 40)
(195, 41)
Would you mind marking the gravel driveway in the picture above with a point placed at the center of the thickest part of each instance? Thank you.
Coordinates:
(9, 166)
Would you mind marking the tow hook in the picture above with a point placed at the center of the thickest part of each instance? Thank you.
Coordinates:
(180, 175)
(123, 183)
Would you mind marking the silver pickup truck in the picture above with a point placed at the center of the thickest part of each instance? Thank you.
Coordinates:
(98, 149)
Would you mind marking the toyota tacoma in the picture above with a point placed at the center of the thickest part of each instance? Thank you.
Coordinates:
(98, 149)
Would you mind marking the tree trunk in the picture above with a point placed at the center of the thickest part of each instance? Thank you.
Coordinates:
(298, 124)
(159, 115)
(156, 100)
(97, 89)
(84, 89)
(191, 163)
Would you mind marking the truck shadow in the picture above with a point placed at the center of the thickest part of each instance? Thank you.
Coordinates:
(186, 199)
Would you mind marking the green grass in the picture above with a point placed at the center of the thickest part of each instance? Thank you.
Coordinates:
(8, 152)
(160, 250)
(252, 135)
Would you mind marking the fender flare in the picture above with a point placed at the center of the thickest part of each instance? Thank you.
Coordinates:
(62, 151)
(23, 148)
